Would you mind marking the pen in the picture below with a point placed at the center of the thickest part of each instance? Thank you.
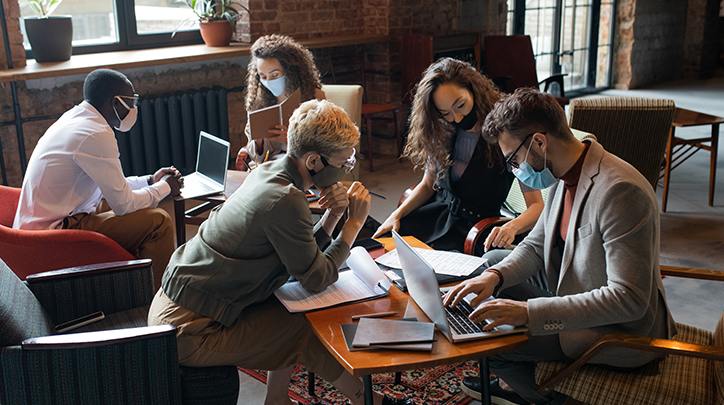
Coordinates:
(266, 157)
(374, 315)
(377, 195)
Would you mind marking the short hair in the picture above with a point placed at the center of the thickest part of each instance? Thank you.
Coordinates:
(320, 126)
(524, 112)
(102, 85)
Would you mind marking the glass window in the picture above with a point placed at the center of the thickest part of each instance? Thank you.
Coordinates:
(156, 16)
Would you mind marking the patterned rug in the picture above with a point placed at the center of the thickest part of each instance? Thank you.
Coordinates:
(438, 385)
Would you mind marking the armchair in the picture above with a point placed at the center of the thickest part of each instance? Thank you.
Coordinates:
(691, 371)
(116, 360)
(28, 252)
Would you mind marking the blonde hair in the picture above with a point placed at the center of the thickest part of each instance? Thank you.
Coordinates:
(320, 126)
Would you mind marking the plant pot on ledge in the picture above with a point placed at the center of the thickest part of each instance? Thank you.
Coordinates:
(51, 38)
(216, 33)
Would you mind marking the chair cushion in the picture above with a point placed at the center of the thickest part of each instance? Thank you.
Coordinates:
(210, 385)
(21, 315)
(674, 380)
(131, 318)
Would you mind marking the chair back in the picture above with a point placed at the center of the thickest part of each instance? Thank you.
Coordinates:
(634, 129)
(9, 197)
(349, 98)
(511, 56)
(719, 365)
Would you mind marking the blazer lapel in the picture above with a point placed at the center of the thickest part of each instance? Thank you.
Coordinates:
(551, 229)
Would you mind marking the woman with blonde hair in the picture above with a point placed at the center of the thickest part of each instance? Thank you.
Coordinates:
(278, 67)
(465, 178)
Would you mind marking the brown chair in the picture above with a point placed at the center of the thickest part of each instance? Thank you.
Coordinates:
(510, 63)
(691, 371)
(634, 129)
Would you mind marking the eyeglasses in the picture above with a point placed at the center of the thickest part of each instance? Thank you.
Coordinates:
(347, 165)
(134, 98)
(509, 163)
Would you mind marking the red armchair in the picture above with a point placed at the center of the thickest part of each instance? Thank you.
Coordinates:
(29, 252)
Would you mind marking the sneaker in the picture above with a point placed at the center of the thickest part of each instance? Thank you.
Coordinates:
(388, 400)
(498, 396)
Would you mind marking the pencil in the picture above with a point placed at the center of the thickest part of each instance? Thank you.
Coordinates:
(266, 157)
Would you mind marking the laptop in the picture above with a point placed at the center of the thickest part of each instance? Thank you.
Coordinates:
(425, 291)
(212, 161)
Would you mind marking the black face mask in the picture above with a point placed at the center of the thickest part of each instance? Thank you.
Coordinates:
(327, 176)
(468, 121)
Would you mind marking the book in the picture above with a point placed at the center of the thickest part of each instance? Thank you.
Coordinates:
(384, 332)
(350, 329)
(363, 281)
(264, 119)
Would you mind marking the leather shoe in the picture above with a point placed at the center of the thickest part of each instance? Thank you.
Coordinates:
(388, 400)
(498, 396)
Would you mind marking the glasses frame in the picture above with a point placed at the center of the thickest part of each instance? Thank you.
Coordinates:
(514, 165)
(134, 98)
(347, 165)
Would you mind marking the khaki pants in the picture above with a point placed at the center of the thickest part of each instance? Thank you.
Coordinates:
(264, 337)
(148, 231)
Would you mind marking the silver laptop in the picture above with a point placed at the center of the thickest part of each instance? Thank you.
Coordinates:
(212, 160)
(424, 289)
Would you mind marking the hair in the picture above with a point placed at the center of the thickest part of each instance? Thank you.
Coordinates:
(102, 85)
(320, 126)
(526, 111)
(299, 69)
(429, 140)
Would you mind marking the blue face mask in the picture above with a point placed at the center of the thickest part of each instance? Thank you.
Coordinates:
(276, 86)
(533, 179)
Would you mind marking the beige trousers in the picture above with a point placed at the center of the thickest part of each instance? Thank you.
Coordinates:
(264, 337)
(148, 231)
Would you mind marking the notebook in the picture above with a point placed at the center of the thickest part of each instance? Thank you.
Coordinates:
(212, 160)
(425, 291)
(264, 119)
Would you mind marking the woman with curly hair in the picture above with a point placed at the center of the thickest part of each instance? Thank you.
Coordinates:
(278, 66)
(465, 178)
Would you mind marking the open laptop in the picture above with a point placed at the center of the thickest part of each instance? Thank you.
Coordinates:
(212, 161)
(424, 289)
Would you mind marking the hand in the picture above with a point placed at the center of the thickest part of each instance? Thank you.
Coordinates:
(359, 203)
(175, 182)
(500, 237)
(334, 198)
(483, 285)
(391, 223)
(501, 312)
(158, 176)
(280, 134)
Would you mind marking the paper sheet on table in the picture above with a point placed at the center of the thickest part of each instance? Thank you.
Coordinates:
(364, 281)
(449, 263)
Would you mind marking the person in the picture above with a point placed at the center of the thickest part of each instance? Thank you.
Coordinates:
(278, 67)
(596, 242)
(465, 179)
(74, 178)
(218, 288)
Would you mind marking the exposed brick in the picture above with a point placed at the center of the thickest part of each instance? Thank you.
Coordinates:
(290, 6)
(272, 27)
(260, 16)
(271, 4)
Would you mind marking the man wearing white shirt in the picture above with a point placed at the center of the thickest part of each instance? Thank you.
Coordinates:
(75, 166)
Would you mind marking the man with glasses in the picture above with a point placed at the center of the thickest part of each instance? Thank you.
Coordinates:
(74, 178)
(597, 243)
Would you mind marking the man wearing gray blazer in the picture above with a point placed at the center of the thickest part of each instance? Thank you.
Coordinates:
(595, 249)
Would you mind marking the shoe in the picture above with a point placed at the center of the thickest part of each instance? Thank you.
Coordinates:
(498, 396)
(388, 400)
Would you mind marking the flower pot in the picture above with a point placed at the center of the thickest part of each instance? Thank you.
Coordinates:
(51, 39)
(215, 33)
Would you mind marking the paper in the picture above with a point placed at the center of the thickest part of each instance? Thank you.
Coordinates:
(264, 119)
(350, 329)
(374, 331)
(365, 280)
(448, 263)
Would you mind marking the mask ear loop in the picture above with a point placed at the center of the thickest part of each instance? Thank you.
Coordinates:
(124, 104)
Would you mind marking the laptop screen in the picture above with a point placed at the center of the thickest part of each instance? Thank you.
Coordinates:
(213, 157)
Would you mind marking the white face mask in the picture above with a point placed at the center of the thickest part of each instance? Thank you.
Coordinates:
(127, 123)
(276, 86)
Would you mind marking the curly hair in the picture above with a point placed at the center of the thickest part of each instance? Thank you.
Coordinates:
(298, 65)
(428, 145)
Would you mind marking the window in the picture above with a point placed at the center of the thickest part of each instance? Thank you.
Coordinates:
(108, 25)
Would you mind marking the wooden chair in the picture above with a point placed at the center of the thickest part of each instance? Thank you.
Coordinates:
(510, 63)
(691, 371)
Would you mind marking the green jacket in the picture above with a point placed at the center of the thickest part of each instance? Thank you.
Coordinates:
(250, 245)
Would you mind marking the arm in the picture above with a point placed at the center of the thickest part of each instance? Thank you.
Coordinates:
(419, 196)
(503, 236)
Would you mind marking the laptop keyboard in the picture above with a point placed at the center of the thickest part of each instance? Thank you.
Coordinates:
(458, 319)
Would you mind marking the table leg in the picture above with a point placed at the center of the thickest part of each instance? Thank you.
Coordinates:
(485, 381)
(367, 379)
(712, 165)
(179, 212)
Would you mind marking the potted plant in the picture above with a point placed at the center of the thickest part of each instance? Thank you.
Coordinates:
(50, 37)
(217, 19)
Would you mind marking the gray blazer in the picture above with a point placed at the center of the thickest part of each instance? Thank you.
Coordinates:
(607, 279)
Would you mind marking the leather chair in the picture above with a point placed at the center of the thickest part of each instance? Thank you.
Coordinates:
(28, 252)
(349, 98)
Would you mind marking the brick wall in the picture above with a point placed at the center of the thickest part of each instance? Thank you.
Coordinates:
(12, 11)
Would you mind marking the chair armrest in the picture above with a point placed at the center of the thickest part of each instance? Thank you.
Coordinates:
(480, 229)
(663, 346)
(556, 78)
(109, 287)
(685, 272)
(96, 339)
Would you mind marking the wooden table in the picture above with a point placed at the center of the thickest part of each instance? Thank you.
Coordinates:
(679, 149)
(326, 324)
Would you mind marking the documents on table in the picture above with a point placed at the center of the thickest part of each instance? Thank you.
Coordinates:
(349, 330)
(382, 332)
(364, 281)
(449, 263)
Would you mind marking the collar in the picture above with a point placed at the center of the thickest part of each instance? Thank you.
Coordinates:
(289, 167)
(574, 173)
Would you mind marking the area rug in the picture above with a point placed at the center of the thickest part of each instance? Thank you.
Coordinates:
(437, 385)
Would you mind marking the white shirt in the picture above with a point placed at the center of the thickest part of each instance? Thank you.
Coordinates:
(73, 166)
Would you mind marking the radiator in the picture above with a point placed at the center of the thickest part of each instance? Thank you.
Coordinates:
(167, 130)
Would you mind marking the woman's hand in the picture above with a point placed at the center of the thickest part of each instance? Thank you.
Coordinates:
(501, 236)
(391, 223)
(280, 134)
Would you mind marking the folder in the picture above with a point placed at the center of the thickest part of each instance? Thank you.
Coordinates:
(264, 119)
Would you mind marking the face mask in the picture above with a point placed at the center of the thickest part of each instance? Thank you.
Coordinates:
(468, 121)
(127, 123)
(537, 180)
(276, 86)
(329, 174)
